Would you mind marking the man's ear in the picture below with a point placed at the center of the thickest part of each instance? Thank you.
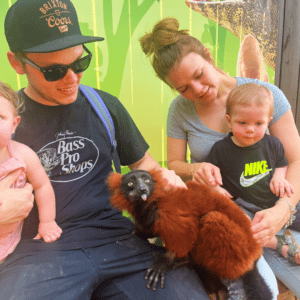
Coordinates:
(15, 63)
(228, 121)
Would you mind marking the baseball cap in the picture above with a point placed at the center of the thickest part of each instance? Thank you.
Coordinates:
(43, 26)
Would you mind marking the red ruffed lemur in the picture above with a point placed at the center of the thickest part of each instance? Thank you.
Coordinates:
(196, 224)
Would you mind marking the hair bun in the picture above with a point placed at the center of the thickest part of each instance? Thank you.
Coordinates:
(164, 33)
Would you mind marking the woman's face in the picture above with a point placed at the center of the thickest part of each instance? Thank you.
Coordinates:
(195, 79)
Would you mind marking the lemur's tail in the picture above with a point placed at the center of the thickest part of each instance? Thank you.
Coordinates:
(255, 286)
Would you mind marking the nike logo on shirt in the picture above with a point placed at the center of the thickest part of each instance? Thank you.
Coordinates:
(250, 181)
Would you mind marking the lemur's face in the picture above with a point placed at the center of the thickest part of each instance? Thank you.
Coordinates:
(137, 185)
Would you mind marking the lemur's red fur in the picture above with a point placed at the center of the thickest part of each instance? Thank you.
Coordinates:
(199, 221)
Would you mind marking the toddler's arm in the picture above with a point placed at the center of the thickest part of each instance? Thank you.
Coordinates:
(44, 194)
(279, 185)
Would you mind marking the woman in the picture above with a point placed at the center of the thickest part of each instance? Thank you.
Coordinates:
(197, 119)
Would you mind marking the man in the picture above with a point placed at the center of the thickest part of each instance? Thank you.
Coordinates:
(97, 256)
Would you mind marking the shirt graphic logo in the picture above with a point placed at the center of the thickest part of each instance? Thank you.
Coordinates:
(69, 158)
(259, 169)
(56, 14)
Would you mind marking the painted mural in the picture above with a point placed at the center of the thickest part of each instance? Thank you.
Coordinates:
(240, 34)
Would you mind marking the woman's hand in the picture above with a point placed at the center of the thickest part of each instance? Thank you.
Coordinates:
(224, 192)
(15, 204)
(208, 173)
(268, 222)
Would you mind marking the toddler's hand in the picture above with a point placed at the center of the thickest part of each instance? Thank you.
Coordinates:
(49, 231)
(281, 187)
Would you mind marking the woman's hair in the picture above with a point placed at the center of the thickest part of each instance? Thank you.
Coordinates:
(166, 45)
(8, 93)
(248, 94)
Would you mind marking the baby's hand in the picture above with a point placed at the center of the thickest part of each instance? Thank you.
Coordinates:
(281, 186)
(49, 231)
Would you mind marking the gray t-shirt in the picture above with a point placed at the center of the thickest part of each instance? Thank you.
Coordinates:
(184, 123)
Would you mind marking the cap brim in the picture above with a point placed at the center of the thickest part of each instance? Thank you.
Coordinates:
(63, 43)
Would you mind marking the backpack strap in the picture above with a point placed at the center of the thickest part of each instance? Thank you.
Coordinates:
(101, 110)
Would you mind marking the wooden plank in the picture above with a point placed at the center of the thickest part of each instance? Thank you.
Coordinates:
(278, 59)
(289, 56)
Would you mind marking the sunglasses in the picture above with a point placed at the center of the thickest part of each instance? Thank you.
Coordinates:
(58, 72)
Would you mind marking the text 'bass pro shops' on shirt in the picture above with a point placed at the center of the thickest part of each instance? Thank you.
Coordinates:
(75, 150)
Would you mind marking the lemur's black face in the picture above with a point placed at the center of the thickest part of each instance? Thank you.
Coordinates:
(137, 185)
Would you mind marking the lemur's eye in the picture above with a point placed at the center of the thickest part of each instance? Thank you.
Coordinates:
(147, 180)
(130, 183)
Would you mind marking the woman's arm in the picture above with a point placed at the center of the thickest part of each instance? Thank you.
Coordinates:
(176, 152)
(285, 130)
(268, 222)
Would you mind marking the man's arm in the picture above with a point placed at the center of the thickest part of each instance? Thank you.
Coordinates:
(149, 163)
(15, 204)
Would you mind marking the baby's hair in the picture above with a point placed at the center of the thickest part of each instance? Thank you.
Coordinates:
(168, 45)
(248, 94)
(8, 93)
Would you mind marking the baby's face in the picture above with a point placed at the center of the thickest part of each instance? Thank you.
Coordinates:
(8, 121)
(248, 123)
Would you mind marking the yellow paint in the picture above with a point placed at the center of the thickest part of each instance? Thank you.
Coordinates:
(217, 36)
(162, 84)
(188, 154)
(96, 48)
(190, 16)
(162, 92)
(163, 147)
(262, 46)
(18, 76)
(162, 101)
(18, 81)
(130, 53)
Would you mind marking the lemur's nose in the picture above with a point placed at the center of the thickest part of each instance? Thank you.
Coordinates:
(142, 187)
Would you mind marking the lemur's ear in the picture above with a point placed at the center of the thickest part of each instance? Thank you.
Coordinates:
(114, 181)
(117, 199)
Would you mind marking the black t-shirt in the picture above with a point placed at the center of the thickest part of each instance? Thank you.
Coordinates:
(75, 150)
(247, 171)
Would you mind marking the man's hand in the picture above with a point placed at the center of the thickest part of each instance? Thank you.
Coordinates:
(15, 204)
(148, 163)
(172, 179)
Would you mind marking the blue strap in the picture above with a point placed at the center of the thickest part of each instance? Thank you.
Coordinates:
(100, 108)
